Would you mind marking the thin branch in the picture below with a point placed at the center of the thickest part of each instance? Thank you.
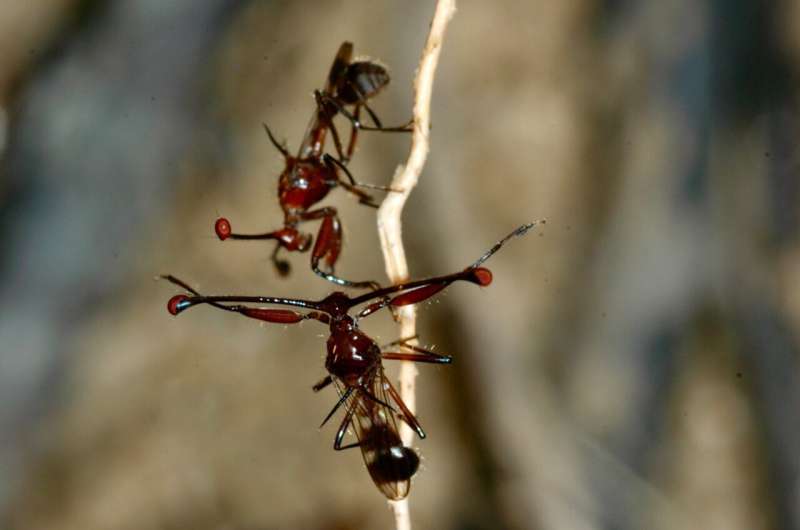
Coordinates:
(390, 212)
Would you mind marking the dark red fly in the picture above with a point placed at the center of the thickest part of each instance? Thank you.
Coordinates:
(308, 177)
(354, 360)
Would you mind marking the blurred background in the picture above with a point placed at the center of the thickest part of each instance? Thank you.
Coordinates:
(634, 364)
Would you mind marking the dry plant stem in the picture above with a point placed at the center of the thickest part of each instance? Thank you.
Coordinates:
(389, 214)
(405, 179)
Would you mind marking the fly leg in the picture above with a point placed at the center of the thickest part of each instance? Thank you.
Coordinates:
(326, 99)
(342, 430)
(328, 246)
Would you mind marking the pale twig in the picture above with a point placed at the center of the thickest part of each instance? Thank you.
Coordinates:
(389, 214)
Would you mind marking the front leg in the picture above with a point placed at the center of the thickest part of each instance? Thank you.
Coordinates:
(328, 246)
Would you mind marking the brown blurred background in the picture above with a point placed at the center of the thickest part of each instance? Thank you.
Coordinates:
(634, 364)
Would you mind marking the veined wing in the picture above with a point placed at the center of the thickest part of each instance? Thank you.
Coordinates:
(390, 464)
(314, 137)
(343, 58)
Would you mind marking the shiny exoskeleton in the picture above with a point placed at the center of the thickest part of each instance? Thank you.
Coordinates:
(354, 360)
(308, 177)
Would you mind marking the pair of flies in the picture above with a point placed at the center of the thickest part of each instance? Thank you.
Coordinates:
(371, 403)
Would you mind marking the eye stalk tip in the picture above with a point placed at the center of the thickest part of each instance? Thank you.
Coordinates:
(483, 276)
(223, 228)
(177, 303)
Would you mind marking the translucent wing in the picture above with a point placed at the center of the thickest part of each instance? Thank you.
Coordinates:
(390, 464)
(365, 79)
(339, 66)
(314, 137)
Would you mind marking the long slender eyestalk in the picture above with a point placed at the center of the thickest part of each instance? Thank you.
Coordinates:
(179, 303)
(222, 227)
(419, 290)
